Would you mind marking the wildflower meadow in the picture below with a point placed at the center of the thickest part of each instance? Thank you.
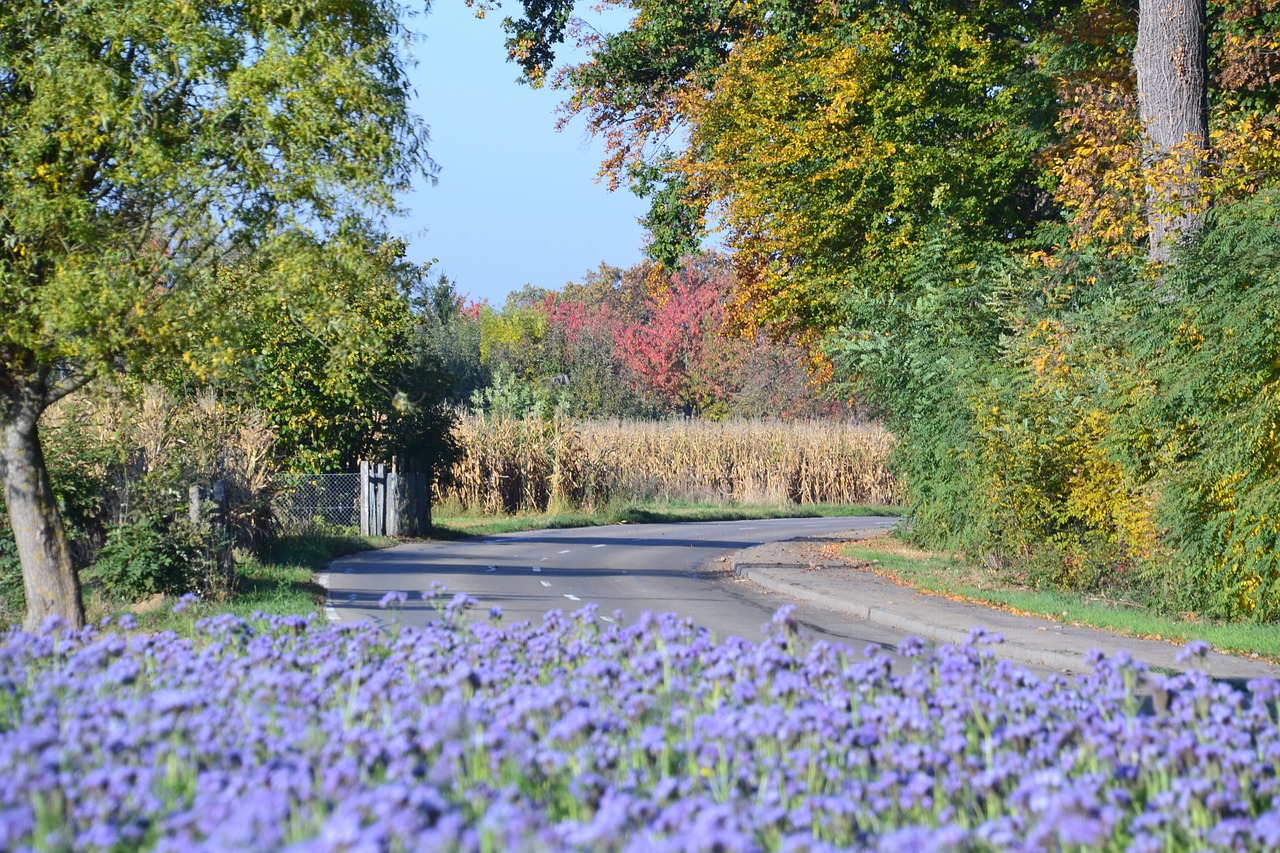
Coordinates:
(571, 734)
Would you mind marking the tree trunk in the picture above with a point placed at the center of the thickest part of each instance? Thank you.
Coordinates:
(1170, 59)
(48, 576)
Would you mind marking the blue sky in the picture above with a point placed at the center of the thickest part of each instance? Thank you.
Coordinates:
(516, 201)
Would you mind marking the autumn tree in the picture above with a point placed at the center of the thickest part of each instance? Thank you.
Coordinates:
(825, 139)
(677, 353)
(143, 139)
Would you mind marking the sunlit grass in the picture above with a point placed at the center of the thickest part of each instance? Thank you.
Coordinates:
(281, 582)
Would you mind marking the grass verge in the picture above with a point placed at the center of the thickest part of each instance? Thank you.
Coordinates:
(459, 526)
(280, 582)
(958, 579)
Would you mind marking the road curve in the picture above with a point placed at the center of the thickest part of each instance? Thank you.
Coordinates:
(628, 568)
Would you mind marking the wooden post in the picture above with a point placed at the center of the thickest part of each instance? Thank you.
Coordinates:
(409, 498)
(380, 500)
(424, 509)
(366, 505)
(394, 500)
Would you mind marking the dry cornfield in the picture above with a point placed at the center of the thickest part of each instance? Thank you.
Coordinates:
(533, 465)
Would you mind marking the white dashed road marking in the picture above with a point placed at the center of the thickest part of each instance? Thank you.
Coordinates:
(544, 583)
(329, 613)
(607, 618)
(566, 551)
(572, 597)
(600, 546)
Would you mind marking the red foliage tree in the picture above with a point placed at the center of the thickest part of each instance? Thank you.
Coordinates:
(677, 353)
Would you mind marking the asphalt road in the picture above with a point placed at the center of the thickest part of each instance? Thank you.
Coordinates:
(629, 569)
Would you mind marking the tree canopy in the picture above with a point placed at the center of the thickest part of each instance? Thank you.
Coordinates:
(142, 140)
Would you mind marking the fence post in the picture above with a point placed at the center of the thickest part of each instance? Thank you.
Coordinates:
(394, 501)
(424, 506)
(380, 499)
(365, 503)
(222, 531)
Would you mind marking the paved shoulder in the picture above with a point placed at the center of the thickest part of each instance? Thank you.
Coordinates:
(798, 570)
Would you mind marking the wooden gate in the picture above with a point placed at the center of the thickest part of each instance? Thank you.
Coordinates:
(395, 500)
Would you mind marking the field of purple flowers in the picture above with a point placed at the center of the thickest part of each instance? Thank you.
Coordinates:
(471, 735)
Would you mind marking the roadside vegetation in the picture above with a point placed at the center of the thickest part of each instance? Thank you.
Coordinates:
(449, 525)
(1031, 590)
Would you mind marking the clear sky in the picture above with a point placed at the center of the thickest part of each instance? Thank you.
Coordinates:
(516, 202)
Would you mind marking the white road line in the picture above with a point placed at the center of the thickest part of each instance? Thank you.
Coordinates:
(544, 583)
(600, 546)
(607, 618)
(566, 551)
(329, 613)
(572, 597)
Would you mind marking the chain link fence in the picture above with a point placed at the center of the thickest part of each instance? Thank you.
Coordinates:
(305, 502)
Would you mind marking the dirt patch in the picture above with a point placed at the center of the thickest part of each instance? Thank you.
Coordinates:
(149, 605)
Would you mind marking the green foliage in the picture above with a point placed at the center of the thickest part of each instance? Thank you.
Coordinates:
(150, 554)
(674, 225)
(146, 141)
(451, 331)
(349, 375)
(1099, 427)
(915, 359)
(998, 377)
(1205, 427)
(143, 137)
(509, 398)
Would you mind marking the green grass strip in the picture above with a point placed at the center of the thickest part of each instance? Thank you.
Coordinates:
(956, 578)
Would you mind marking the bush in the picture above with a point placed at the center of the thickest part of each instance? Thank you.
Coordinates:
(1206, 428)
(148, 556)
(1100, 425)
(123, 459)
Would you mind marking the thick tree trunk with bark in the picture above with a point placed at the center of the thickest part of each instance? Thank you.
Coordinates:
(48, 575)
(1170, 59)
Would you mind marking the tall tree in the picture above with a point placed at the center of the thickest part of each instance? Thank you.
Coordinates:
(826, 139)
(1173, 102)
(140, 140)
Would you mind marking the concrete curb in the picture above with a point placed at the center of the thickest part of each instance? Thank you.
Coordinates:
(785, 569)
(898, 621)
